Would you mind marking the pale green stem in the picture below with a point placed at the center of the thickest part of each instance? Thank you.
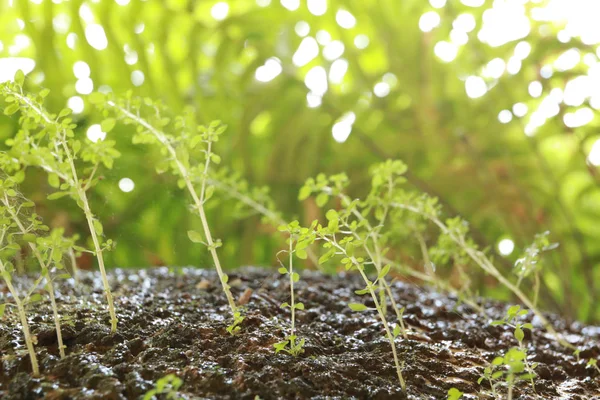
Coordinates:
(487, 266)
(45, 271)
(73, 180)
(24, 324)
(197, 202)
(292, 300)
(386, 326)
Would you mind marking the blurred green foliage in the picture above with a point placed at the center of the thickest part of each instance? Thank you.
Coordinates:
(506, 183)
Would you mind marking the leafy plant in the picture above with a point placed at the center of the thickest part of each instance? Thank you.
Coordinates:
(8, 247)
(593, 363)
(529, 263)
(454, 394)
(512, 319)
(299, 239)
(48, 141)
(168, 385)
(370, 237)
(188, 150)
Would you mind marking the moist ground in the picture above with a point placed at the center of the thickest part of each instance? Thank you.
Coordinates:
(175, 322)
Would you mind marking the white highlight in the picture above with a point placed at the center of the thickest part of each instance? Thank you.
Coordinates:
(341, 130)
(505, 116)
(269, 71)
(345, 19)
(219, 11)
(76, 104)
(10, 65)
(306, 52)
(428, 21)
(506, 247)
(317, 7)
(95, 133)
(96, 36)
(316, 80)
(126, 185)
(594, 156)
(475, 87)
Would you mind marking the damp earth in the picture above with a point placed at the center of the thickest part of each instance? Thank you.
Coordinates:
(174, 322)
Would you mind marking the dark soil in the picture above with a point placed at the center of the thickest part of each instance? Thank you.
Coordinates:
(175, 323)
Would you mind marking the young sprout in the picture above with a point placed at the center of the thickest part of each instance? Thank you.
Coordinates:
(346, 247)
(299, 240)
(189, 151)
(48, 141)
(46, 250)
(8, 247)
(454, 394)
(456, 230)
(511, 319)
(529, 263)
(168, 386)
(593, 363)
(371, 239)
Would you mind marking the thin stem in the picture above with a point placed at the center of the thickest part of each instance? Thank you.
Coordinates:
(386, 326)
(292, 300)
(74, 265)
(487, 266)
(45, 272)
(24, 324)
(73, 180)
(197, 201)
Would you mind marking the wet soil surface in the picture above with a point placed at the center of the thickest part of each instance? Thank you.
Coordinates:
(175, 323)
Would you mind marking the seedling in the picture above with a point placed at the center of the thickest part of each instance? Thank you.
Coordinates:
(189, 155)
(47, 250)
(299, 239)
(593, 363)
(511, 319)
(454, 394)
(8, 247)
(529, 263)
(48, 141)
(345, 248)
(168, 386)
(457, 231)
(369, 237)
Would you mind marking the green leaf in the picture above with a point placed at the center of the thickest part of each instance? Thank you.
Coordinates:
(35, 298)
(98, 227)
(384, 271)
(44, 93)
(302, 254)
(327, 256)
(396, 330)
(284, 305)
(322, 199)
(19, 77)
(11, 109)
(305, 193)
(357, 306)
(519, 334)
(53, 180)
(295, 277)
(108, 124)
(299, 306)
(282, 270)
(215, 158)
(2, 309)
(361, 292)
(195, 237)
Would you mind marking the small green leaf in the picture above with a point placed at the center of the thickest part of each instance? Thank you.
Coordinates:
(35, 298)
(302, 254)
(305, 193)
(295, 277)
(98, 227)
(299, 306)
(282, 270)
(44, 93)
(361, 292)
(322, 199)
(519, 334)
(108, 124)
(195, 237)
(215, 158)
(53, 180)
(11, 109)
(357, 306)
(284, 305)
(19, 77)
(384, 271)
(396, 330)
